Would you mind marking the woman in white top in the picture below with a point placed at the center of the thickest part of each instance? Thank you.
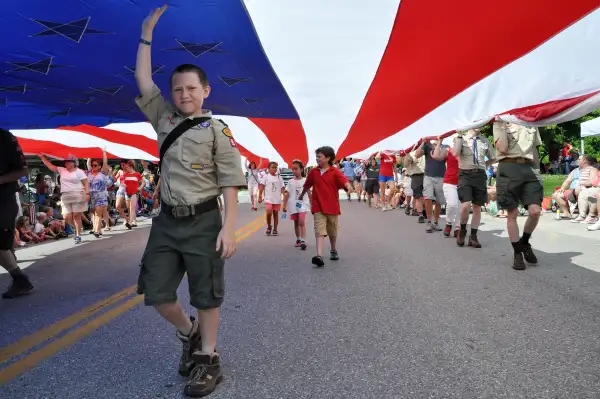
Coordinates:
(253, 181)
(74, 190)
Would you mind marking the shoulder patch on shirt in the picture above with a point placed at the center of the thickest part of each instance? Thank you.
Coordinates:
(232, 142)
(227, 132)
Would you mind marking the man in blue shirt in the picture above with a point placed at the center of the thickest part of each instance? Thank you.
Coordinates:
(348, 166)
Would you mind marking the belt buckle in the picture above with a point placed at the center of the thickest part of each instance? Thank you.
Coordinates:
(181, 211)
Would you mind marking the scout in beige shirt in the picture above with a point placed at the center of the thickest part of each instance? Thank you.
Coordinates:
(189, 235)
(519, 181)
(471, 150)
(415, 168)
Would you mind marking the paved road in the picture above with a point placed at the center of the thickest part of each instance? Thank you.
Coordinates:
(403, 314)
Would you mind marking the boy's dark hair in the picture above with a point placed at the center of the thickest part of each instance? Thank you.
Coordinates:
(191, 68)
(327, 152)
(300, 165)
(272, 163)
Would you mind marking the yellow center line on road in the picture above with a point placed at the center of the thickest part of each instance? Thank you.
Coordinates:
(53, 330)
(45, 334)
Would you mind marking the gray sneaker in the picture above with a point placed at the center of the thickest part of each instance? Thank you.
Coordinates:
(429, 228)
(436, 227)
(191, 343)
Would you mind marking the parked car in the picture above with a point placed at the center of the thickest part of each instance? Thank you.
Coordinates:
(286, 174)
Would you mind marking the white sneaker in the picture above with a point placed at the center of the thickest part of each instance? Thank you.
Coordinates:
(595, 226)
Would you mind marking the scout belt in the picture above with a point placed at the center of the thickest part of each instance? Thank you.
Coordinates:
(522, 161)
(184, 211)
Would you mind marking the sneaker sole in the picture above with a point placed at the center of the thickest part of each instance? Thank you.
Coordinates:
(205, 393)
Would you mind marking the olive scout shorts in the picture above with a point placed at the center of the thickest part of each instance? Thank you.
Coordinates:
(177, 246)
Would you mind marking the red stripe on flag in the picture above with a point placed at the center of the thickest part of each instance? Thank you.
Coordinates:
(546, 110)
(114, 136)
(251, 157)
(31, 146)
(287, 137)
(431, 57)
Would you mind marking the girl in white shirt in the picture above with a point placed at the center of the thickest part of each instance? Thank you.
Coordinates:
(298, 209)
(272, 188)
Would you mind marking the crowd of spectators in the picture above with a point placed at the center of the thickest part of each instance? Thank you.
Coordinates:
(41, 207)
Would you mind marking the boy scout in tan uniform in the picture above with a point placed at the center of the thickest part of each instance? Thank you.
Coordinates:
(518, 180)
(415, 168)
(471, 149)
(189, 235)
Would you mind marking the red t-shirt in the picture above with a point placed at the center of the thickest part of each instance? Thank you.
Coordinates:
(386, 165)
(451, 175)
(325, 190)
(566, 151)
(132, 182)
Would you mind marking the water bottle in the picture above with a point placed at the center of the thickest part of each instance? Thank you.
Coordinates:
(284, 215)
(298, 205)
(557, 217)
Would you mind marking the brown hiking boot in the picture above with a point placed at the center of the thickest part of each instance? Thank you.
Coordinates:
(460, 240)
(518, 262)
(191, 343)
(528, 254)
(474, 242)
(19, 287)
(205, 377)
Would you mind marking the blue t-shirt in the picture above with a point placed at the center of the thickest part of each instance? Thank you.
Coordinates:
(348, 168)
(433, 167)
(575, 181)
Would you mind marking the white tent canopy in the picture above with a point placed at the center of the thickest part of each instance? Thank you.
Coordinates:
(590, 128)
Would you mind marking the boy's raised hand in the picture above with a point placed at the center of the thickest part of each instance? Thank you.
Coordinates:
(151, 20)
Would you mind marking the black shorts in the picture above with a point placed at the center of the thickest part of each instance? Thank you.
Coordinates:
(372, 186)
(416, 183)
(8, 215)
(472, 186)
(518, 183)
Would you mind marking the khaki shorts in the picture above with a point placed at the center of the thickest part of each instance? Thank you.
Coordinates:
(179, 246)
(326, 225)
(74, 202)
(433, 189)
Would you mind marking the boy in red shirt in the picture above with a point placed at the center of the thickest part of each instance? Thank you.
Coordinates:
(325, 181)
